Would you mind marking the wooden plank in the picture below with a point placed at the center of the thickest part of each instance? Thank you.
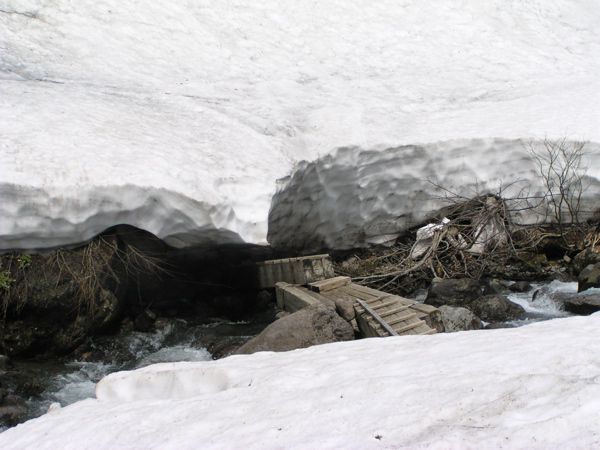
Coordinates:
(383, 305)
(329, 284)
(402, 319)
(409, 327)
(394, 311)
(296, 298)
(280, 294)
(430, 331)
(298, 272)
(359, 294)
(376, 316)
(365, 289)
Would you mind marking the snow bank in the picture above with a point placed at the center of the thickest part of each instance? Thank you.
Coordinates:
(178, 117)
(532, 387)
(357, 197)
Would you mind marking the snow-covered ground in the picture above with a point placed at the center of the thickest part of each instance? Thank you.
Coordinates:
(532, 387)
(178, 117)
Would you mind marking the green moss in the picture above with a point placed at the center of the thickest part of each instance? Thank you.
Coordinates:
(23, 261)
(5, 280)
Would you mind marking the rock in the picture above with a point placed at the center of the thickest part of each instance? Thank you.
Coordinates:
(459, 319)
(281, 314)
(345, 308)
(495, 286)
(144, 321)
(13, 410)
(585, 303)
(520, 286)
(584, 259)
(12, 415)
(453, 292)
(313, 325)
(496, 308)
(589, 277)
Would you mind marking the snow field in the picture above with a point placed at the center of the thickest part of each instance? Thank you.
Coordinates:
(531, 387)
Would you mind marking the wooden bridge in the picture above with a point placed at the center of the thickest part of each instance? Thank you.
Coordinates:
(378, 314)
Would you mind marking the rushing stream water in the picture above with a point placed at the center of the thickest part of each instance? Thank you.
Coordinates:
(539, 302)
(68, 381)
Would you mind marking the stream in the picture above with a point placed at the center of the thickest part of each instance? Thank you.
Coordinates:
(67, 381)
(539, 303)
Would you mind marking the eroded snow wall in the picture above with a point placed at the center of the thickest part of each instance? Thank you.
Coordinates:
(356, 197)
(178, 117)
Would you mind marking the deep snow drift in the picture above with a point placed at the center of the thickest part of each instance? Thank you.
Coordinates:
(532, 387)
(178, 117)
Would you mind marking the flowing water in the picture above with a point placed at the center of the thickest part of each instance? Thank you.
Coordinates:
(540, 302)
(66, 382)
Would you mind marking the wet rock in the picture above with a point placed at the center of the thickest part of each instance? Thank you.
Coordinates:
(12, 415)
(589, 277)
(495, 286)
(584, 303)
(454, 292)
(520, 286)
(144, 322)
(496, 308)
(13, 410)
(313, 325)
(459, 319)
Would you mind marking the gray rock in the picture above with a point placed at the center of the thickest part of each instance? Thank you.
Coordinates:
(459, 319)
(495, 286)
(520, 286)
(584, 259)
(313, 325)
(453, 292)
(11, 415)
(281, 314)
(496, 308)
(589, 277)
(584, 303)
(345, 308)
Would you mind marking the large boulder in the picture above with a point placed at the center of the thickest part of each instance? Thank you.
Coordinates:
(584, 303)
(454, 292)
(589, 277)
(459, 319)
(496, 308)
(584, 259)
(520, 286)
(313, 325)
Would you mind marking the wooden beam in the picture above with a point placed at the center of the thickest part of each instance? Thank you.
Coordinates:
(402, 319)
(410, 327)
(378, 318)
(329, 284)
(389, 312)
